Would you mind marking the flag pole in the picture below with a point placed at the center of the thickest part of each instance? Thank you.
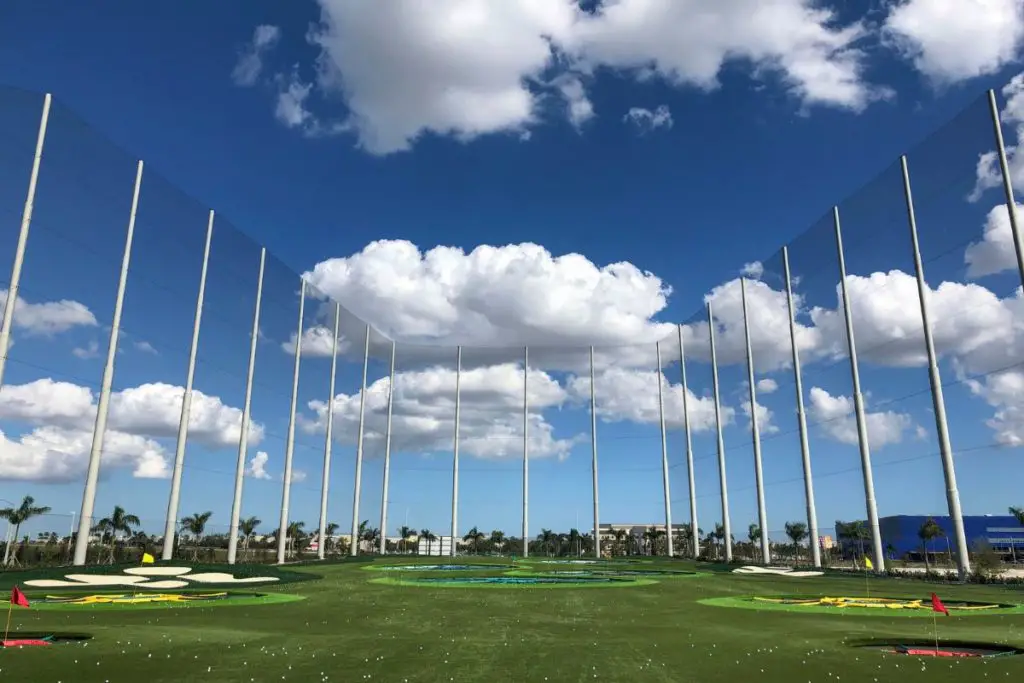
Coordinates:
(7, 628)
(935, 632)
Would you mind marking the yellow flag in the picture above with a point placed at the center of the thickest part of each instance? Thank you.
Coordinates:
(867, 563)
(147, 558)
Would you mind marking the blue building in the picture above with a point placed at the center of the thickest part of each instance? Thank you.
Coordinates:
(899, 534)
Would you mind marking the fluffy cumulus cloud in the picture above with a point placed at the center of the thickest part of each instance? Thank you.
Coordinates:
(49, 317)
(951, 41)
(645, 120)
(835, 418)
(250, 62)
(423, 413)
(465, 68)
(505, 296)
(61, 416)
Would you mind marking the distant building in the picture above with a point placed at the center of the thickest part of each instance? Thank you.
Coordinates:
(608, 531)
(899, 534)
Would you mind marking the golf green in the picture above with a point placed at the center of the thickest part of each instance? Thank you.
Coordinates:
(350, 627)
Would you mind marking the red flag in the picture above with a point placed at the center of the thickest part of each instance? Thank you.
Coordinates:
(18, 598)
(937, 605)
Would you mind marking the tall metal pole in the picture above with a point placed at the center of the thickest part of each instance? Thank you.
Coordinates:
(938, 402)
(103, 404)
(384, 503)
(664, 452)
(455, 461)
(593, 456)
(170, 523)
(1004, 167)
(356, 492)
(325, 484)
(694, 533)
(858, 406)
(801, 416)
(726, 526)
(762, 512)
(526, 451)
(243, 437)
(289, 446)
(19, 251)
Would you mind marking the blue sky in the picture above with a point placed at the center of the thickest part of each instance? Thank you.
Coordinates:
(748, 163)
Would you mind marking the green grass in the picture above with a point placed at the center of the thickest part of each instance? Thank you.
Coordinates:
(350, 628)
(284, 575)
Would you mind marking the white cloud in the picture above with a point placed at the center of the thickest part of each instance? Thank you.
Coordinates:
(835, 418)
(50, 317)
(989, 175)
(145, 347)
(423, 420)
(956, 40)
(765, 417)
(753, 270)
(463, 68)
(87, 352)
(494, 296)
(57, 454)
(646, 120)
(250, 62)
(624, 394)
(766, 385)
(63, 415)
(257, 467)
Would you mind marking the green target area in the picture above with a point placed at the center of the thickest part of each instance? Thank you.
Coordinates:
(134, 601)
(508, 581)
(861, 606)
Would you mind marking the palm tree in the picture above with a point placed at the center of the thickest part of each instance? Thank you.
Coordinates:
(17, 516)
(120, 522)
(361, 534)
(473, 537)
(247, 527)
(295, 532)
(330, 531)
(929, 530)
(548, 540)
(428, 536)
(195, 525)
(405, 532)
(754, 536)
(797, 532)
(497, 539)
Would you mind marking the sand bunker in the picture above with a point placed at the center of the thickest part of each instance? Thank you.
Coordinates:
(776, 571)
(220, 577)
(157, 571)
(140, 577)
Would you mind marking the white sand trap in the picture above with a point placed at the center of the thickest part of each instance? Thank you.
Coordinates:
(157, 571)
(776, 571)
(51, 583)
(221, 577)
(163, 584)
(105, 579)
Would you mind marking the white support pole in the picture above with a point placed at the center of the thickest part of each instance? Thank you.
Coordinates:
(357, 487)
(19, 251)
(694, 532)
(243, 436)
(387, 459)
(526, 451)
(762, 512)
(170, 524)
(726, 526)
(666, 488)
(103, 404)
(325, 484)
(858, 406)
(801, 416)
(1004, 167)
(455, 461)
(938, 401)
(593, 456)
(289, 445)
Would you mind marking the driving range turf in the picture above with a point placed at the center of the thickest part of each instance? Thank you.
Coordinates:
(350, 628)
